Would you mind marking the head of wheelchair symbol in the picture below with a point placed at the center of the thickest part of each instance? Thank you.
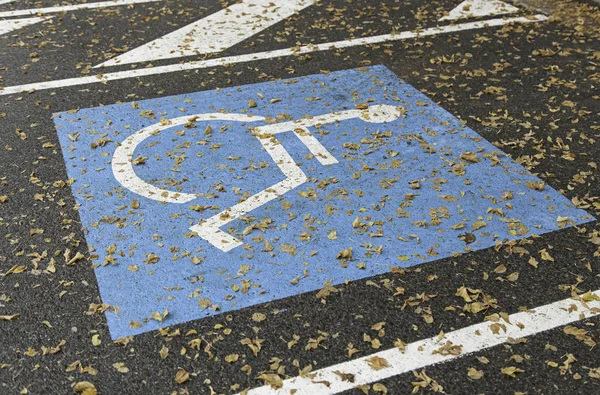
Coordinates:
(210, 229)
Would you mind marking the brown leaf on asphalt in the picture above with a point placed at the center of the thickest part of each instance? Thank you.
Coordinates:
(424, 381)
(474, 374)
(511, 371)
(53, 350)
(254, 344)
(120, 367)
(258, 317)
(378, 387)
(85, 388)
(164, 352)
(16, 269)
(181, 376)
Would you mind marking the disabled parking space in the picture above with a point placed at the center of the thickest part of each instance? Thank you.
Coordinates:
(196, 205)
(359, 209)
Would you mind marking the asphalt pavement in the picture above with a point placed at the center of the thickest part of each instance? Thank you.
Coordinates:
(293, 197)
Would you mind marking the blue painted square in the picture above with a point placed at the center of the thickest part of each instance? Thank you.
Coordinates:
(368, 161)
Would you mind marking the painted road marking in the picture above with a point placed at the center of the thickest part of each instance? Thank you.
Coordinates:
(399, 193)
(74, 7)
(6, 1)
(209, 230)
(9, 25)
(215, 32)
(240, 21)
(479, 8)
(294, 51)
(423, 353)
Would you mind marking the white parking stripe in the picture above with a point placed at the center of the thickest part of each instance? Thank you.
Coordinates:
(417, 355)
(119, 75)
(74, 7)
(9, 25)
(479, 8)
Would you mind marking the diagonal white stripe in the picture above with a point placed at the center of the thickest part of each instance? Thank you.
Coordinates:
(216, 32)
(9, 90)
(423, 353)
(9, 25)
(479, 8)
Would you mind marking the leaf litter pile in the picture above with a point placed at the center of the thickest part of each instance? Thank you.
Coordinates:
(531, 90)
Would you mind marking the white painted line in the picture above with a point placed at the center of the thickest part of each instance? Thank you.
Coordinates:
(216, 32)
(119, 75)
(426, 352)
(6, 1)
(479, 8)
(74, 7)
(315, 147)
(9, 25)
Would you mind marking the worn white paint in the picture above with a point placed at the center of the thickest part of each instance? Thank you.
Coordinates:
(422, 353)
(6, 1)
(74, 7)
(210, 228)
(479, 8)
(215, 32)
(9, 25)
(122, 165)
(120, 75)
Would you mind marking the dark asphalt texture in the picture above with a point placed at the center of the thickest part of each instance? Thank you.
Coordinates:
(451, 69)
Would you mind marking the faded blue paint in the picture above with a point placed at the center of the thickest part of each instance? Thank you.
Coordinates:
(424, 146)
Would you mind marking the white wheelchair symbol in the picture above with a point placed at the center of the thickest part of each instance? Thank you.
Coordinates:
(210, 229)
